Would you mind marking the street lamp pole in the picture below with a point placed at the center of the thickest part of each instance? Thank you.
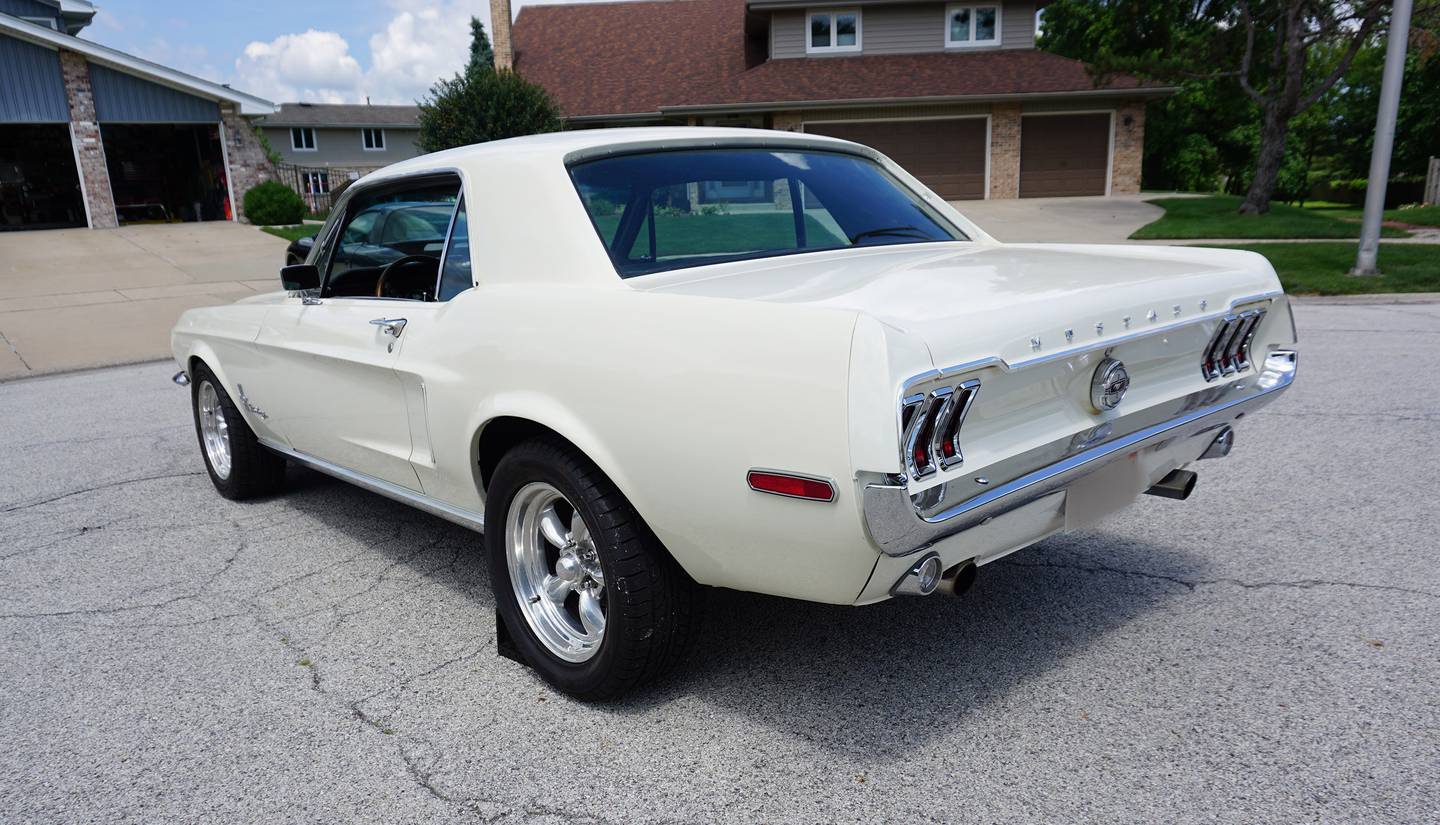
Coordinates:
(1384, 138)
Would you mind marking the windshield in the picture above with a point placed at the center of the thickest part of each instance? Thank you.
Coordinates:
(668, 210)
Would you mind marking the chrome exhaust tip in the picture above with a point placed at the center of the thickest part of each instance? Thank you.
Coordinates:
(1222, 445)
(921, 579)
(958, 580)
(1178, 484)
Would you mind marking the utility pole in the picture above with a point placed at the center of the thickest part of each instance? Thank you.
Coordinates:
(1384, 138)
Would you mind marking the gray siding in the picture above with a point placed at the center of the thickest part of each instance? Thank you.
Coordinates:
(32, 89)
(902, 29)
(31, 8)
(124, 98)
(343, 147)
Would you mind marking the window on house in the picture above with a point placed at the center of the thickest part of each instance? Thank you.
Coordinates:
(316, 183)
(302, 139)
(374, 139)
(834, 31)
(972, 26)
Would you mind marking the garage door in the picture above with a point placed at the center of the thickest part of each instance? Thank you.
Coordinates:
(1063, 155)
(947, 155)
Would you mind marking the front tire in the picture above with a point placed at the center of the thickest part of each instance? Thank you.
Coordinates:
(238, 465)
(591, 599)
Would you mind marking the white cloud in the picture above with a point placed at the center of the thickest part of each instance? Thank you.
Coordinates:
(416, 47)
(314, 66)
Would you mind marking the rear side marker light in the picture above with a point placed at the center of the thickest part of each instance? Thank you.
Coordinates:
(790, 485)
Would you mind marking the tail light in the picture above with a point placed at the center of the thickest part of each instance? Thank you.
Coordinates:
(930, 428)
(1229, 350)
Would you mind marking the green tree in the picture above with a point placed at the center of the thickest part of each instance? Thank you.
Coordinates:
(1283, 55)
(483, 105)
(481, 55)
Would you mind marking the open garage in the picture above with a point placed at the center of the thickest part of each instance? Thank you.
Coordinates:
(946, 155)
(1064, 154)
(39, 187)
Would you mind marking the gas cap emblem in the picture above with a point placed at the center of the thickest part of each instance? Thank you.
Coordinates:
(1108, 386)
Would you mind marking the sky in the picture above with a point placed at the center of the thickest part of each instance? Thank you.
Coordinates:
(318, 51)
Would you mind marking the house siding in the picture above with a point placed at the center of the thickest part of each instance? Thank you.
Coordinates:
(124, 98)
(30, 8)
(901, 29)
(32, 88)
(343, 147)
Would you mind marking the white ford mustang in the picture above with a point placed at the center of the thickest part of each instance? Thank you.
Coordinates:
(652, 360)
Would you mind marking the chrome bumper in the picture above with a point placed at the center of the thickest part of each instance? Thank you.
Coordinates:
(901, 524)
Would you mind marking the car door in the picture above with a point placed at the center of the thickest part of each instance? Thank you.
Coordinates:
(331, 388)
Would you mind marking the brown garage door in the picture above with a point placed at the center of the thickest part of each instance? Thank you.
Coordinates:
(1063, 155)
(947, 155)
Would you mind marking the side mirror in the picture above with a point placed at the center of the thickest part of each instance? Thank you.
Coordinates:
(300, 277)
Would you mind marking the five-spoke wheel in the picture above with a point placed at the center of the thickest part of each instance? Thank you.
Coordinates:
(555, 572)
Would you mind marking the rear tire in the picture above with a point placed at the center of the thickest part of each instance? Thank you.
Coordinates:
(602, 558)
(238, 465)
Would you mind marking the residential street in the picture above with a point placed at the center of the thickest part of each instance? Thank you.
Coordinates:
(1267, 651)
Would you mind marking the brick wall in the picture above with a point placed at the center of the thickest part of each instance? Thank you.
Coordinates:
(1005, 150)
(85, 133)
(1129, 148)
(248, 163)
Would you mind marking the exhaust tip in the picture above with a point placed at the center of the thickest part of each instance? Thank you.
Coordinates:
(922, 579)
(1177, 484)
(1222, 445)
(959, 579)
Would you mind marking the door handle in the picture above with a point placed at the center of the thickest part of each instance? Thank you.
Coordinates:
(390, 326)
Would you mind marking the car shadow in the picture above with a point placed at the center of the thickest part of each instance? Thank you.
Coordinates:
(857, 681)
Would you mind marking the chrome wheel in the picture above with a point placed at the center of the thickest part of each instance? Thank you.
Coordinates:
(214, 429)
(555, 572)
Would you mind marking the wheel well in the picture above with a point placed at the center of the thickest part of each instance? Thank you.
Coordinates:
(503, 433)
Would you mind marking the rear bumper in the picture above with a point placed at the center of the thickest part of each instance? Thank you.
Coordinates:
(900, 524)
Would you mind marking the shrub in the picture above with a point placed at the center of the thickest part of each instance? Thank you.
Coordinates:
(272, 203)
(481, 105)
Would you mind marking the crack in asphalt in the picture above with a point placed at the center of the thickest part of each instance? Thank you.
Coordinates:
(26, 505)
(1195, 584)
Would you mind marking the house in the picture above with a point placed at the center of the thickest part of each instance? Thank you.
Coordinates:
(331, 143)
(92, 136)
(956, 92)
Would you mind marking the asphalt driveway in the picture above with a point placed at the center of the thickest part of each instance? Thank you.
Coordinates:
(1267, 651)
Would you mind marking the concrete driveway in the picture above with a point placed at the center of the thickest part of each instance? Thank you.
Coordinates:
(72, 298)
(1063, 220)
(1267, 651)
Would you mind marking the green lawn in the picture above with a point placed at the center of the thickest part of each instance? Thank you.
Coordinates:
(1320, 268)
(1417, 215)
(1216, 216)
(293, 233)
(694, 234)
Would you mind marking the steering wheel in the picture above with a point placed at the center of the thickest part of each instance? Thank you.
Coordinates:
(395, 267)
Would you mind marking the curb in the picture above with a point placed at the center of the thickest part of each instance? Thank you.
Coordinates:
(1378, 298)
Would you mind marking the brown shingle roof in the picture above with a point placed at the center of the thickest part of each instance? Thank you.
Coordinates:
(643, 57)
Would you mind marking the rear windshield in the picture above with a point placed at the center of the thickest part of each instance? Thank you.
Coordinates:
(668, 210)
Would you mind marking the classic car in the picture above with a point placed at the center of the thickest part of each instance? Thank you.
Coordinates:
(646, 362)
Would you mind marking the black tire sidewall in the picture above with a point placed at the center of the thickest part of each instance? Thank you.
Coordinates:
(201, 376)
(530, 463)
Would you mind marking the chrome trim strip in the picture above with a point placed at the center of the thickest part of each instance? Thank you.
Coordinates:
(897, 527)
(420, 501)
(995, 360)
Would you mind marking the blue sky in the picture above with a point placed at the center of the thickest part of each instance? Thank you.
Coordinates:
(323, 51)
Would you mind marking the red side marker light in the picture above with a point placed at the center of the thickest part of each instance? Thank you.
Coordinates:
(792, 486)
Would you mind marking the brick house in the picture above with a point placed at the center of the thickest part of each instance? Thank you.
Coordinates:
(92, 136)
(955, 92)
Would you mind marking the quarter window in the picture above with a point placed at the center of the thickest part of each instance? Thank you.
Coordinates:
(972, 26)
(302, 139)
(373, 139)
(834, 31)
(455, 272)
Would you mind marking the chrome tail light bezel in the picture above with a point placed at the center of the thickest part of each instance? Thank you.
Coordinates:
(1228, 352)
(930, 422)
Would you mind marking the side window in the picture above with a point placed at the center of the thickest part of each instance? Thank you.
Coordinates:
(456, 275)
(391, 238)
